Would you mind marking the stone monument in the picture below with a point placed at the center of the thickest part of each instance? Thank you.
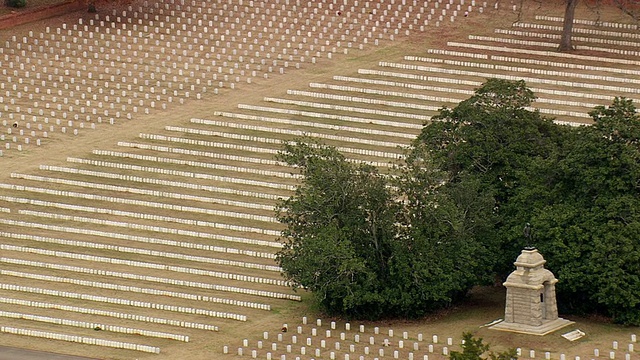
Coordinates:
(531, 306)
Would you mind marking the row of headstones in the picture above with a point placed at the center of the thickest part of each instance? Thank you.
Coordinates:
(396, 354)
(553, 45)
(333, 355)
(144, 265)
(128, 115)
(405, 335)
(347, 327)
(231, 86)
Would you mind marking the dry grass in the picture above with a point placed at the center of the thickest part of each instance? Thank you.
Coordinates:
(484, 306)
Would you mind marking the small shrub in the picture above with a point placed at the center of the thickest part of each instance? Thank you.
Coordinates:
(16, 3)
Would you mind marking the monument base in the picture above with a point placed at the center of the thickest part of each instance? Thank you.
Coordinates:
(544, 329)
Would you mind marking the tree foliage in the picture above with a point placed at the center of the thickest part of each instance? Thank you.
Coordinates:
(492, 138)
(352, 240)
(589, 220)
(340, 227)
(577, 186)
(451, 215)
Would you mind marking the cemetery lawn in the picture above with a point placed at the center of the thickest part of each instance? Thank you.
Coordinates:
(485, 304)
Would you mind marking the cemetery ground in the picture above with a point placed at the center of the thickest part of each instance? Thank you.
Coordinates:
(484, 306)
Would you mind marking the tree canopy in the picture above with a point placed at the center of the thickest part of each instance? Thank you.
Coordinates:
(450, 216)
(578, 186)
(354, 241)
(588, 219)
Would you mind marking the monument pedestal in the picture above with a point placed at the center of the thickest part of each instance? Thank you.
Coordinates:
(545, 328)
(531, 306)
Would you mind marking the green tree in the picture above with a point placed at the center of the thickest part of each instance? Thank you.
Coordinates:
(451, 215)
(370, 245)
(490, 135)
(447, 227)
(578, 186)
(588, 221)
(493, 139)
(476, 349)
(340, 229)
